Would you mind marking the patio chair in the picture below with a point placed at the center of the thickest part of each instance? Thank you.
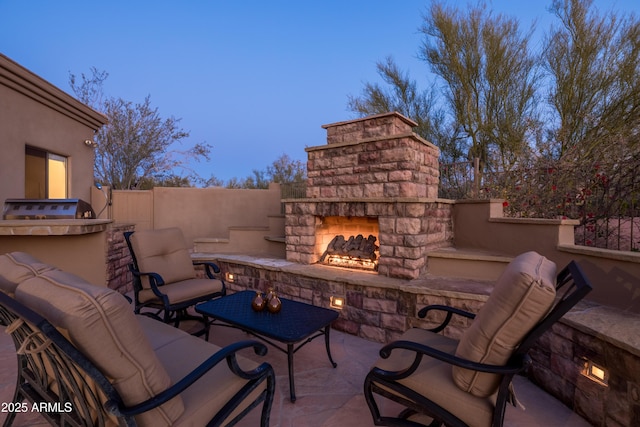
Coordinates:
(165, 279)
(440, 380)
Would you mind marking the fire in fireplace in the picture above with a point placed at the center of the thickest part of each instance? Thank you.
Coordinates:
(354, 252)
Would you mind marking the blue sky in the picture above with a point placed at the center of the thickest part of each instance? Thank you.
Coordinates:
(255, 79)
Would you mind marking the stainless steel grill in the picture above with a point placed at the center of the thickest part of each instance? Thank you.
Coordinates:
(47, 209)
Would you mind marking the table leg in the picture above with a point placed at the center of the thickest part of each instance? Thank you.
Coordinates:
(292, 387)
(327, 329)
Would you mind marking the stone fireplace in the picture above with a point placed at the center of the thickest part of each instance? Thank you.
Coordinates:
(374, 177)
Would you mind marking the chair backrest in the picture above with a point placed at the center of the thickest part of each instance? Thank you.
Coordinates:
(161, 251)
(47, 357)
(16, 267)
(100, 323)
(521, 307)
(571, 286)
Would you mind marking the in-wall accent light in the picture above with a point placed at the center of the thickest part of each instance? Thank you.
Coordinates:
(230, 277)
(595, 373)
(337, 302)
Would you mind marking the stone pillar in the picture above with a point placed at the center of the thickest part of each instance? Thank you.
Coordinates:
(377, 156)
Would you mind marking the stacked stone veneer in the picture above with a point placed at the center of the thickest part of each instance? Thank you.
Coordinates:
(377, 156)
(118, 259)
(374, 167)
(407, 231)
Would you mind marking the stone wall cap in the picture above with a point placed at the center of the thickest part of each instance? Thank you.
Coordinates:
(52, 227)
(411, 135)
(624, 256)
(606, 323)
(376, 116)
(445, 287)
(536, 221)
(371, 200)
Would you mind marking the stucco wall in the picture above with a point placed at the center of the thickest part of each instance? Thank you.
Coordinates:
(84, 255)
(199, 212)
(614, 274)
(34, 112)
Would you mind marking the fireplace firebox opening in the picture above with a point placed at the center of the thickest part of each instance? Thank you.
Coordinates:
(349, 242)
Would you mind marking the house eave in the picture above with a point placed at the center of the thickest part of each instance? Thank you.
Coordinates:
(18, 78)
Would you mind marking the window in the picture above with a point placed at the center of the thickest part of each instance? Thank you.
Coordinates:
(45, 175)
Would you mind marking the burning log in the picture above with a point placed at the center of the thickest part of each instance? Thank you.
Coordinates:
(355, 247)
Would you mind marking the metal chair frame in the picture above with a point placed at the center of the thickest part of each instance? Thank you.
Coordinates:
(172, 312)
(53, 372)
(574, 286)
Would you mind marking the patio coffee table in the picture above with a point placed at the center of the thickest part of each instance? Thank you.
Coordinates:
(296, 322)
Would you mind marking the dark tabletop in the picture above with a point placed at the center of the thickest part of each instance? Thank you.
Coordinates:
(295, 321)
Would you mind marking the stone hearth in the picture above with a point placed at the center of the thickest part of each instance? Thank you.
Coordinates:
(377, 171)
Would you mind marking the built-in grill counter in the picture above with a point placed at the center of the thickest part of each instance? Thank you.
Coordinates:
(56, 217)
(61, 232)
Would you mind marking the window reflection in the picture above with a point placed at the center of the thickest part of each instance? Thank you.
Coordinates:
(45, 174)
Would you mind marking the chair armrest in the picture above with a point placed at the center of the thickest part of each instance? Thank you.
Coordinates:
(227, 353)
(209, 267)
(515, 364)
(450, 312)
(155, 280)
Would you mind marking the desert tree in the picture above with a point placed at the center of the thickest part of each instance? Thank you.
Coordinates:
(594, 62)
(285, 170)
(490, 80)
(400, 93)
(136, 148)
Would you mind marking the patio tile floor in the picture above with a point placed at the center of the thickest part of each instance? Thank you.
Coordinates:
(326, 396)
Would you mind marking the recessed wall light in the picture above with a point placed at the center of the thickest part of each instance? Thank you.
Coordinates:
(337, 302)
(596, 373)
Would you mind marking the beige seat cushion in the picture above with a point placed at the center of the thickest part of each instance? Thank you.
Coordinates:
(208, 395)
(433, 379)
(522, 296)
(183, 290)
(163, 252)
(101, 324)
(16, 267)
(8, 287)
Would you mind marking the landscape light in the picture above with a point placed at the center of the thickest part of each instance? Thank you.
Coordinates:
(337, 302)
(595, 373)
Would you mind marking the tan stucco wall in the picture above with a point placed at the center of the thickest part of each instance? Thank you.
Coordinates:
(199, 212)
(615, 275)
(34, 112)
(83, 255)
(209, 212)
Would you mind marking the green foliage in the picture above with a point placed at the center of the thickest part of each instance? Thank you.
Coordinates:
(494, 100)
(490, 80)
(401, 95)
(595, 65)
(556, 132)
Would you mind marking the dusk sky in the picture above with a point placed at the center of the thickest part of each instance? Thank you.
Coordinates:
(255, 79)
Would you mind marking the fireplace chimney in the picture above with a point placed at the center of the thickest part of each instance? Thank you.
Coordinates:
(377, 170)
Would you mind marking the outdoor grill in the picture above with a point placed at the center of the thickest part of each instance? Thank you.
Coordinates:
(47, 209)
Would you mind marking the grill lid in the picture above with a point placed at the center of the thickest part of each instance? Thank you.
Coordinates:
(47, 209)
